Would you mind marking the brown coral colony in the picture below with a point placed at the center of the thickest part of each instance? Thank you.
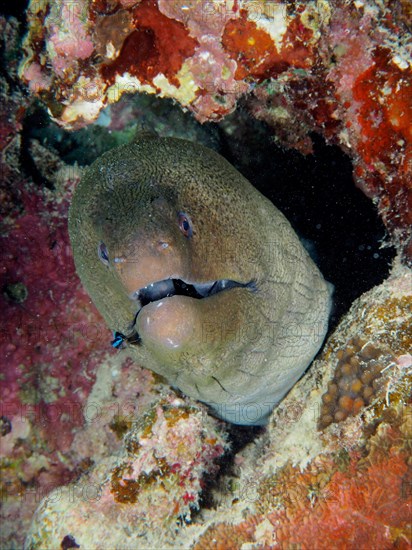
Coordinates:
(355, 382)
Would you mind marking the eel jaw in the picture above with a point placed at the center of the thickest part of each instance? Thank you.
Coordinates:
(177, 287)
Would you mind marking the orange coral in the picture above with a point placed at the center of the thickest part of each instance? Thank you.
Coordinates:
(355, 382)
(254, 50)
(359, 500)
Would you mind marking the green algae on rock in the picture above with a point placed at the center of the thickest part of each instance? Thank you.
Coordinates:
(199, 273)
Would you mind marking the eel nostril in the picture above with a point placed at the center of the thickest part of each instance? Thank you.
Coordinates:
(103, 253)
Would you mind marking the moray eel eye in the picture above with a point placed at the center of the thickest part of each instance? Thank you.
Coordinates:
(185, 224)
(103, 253)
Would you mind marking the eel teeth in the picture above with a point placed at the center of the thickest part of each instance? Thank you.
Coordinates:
(177, 287)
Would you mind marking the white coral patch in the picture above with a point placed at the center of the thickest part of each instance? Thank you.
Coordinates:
(269, 17)
(111, 51)
(81, 110)
(184, 94)
(400, 62)
(127, 84)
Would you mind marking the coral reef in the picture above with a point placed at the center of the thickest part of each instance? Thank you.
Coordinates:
(72, 410)
(341, 69)
(140, 495)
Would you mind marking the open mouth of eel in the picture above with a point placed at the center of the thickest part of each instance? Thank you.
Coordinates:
(175, 287)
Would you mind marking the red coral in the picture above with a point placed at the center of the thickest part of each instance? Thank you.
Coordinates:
(157, 45)
(255, 52)
(383, 92)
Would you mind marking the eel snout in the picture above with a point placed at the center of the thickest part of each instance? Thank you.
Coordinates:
(160, 291)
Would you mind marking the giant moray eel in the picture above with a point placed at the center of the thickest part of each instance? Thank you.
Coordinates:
(201, 275)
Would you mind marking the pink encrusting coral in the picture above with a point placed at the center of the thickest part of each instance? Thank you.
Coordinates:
(341, 69)
(48, 350)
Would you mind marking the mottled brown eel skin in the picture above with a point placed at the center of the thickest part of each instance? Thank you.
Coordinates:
(199, 274)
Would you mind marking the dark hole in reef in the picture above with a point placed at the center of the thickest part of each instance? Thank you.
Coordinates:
(68, 542)
(339, 225)
(35, 118)
(16, 9)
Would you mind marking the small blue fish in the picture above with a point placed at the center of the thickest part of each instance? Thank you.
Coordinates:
(118, 340)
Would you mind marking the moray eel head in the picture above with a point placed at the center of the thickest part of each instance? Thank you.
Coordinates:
(201, 274)
(163, 257)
